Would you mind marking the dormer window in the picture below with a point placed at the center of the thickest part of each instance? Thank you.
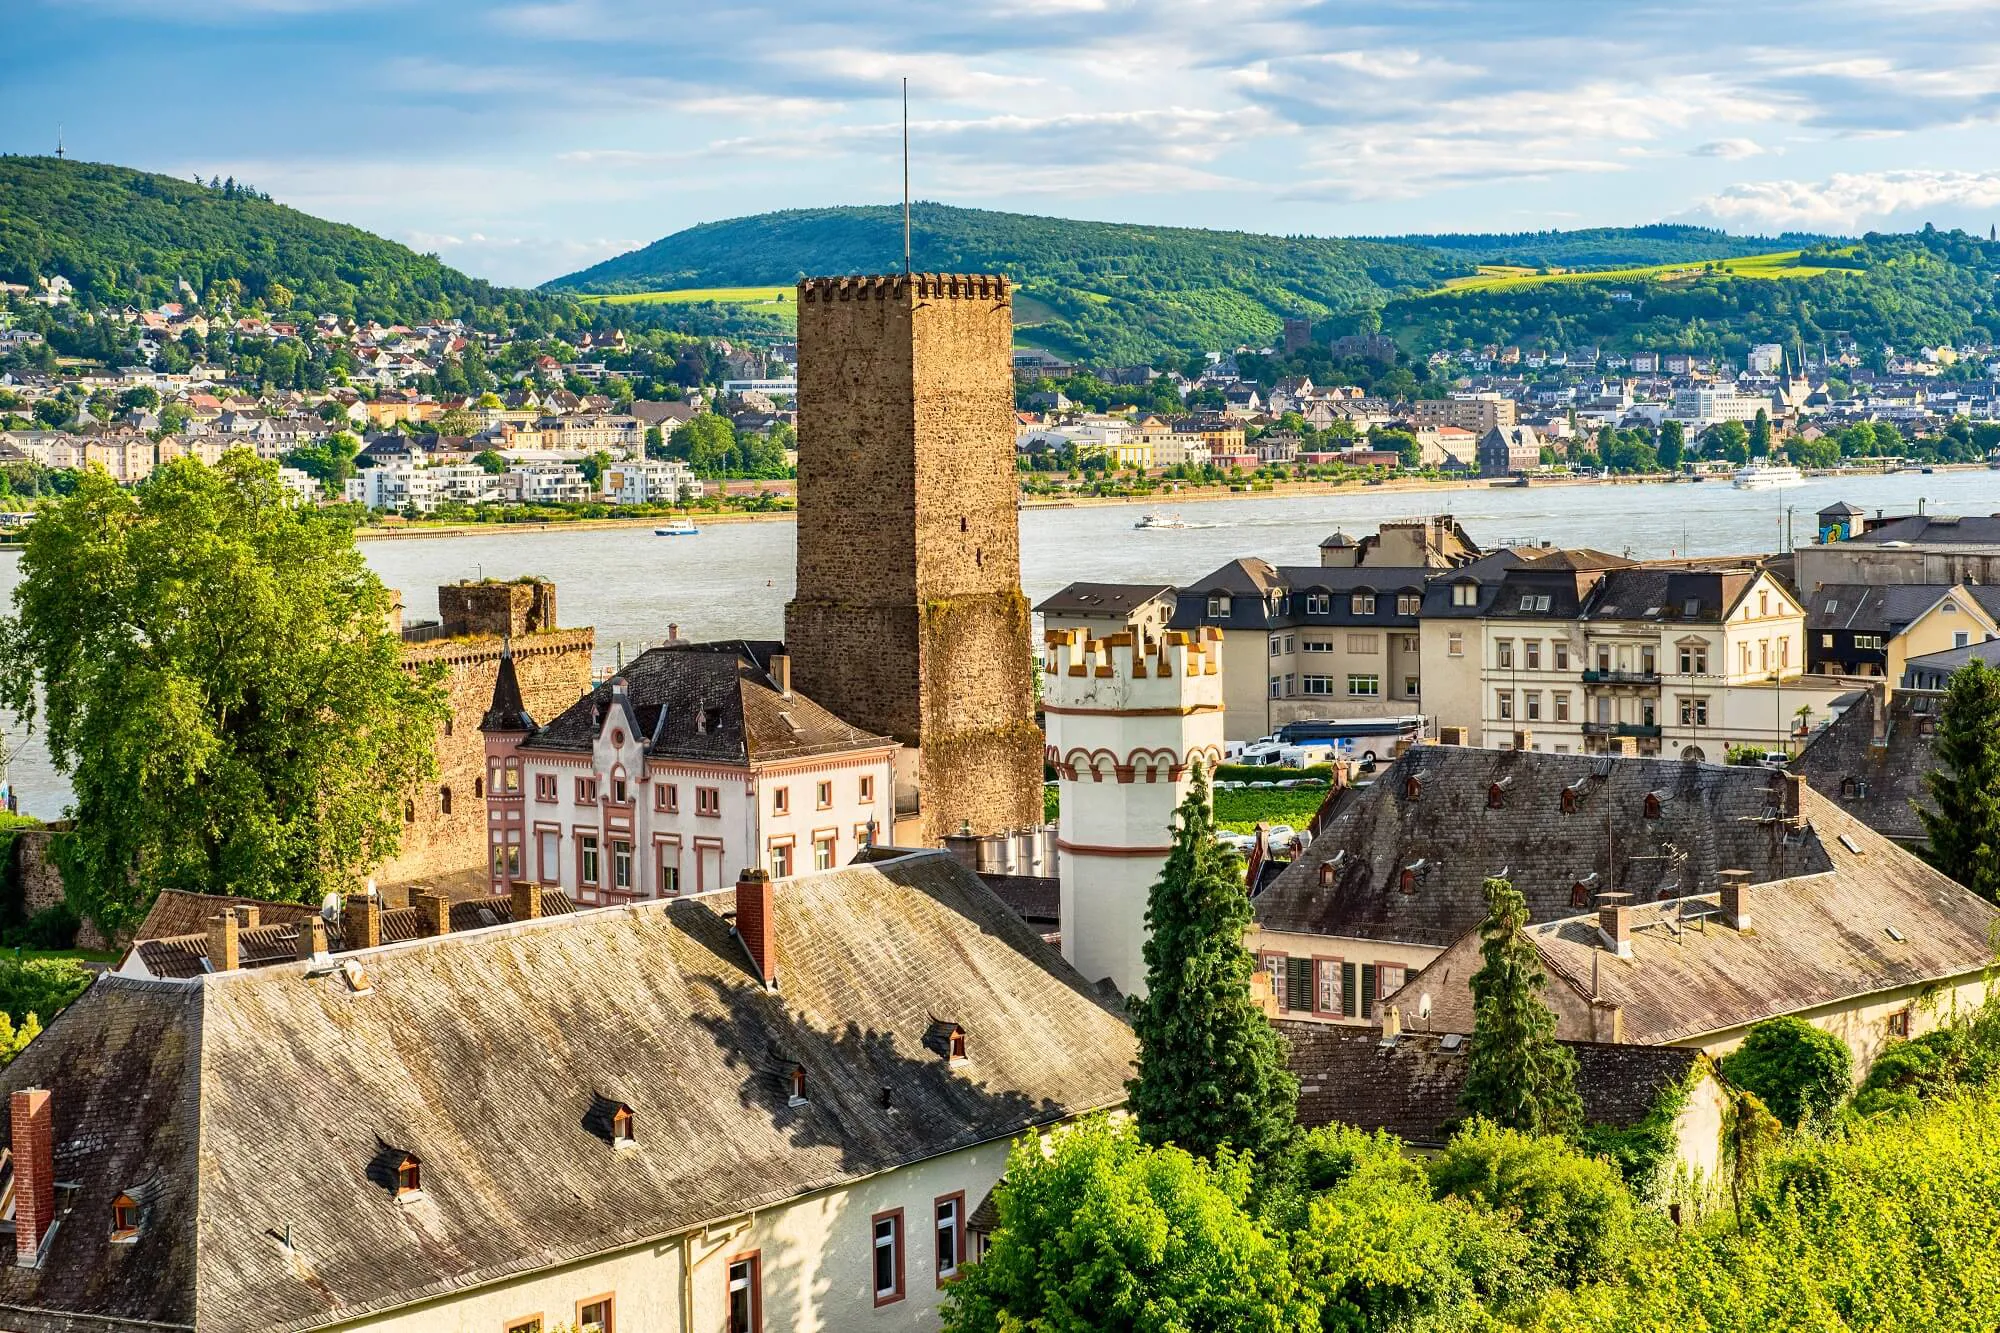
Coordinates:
(622, 1126)
(1413, 788)
(795, 1082)
(1407, 881)
(409, 1176)
(1464, 593)
(1496, 794)
(1652, 805)
(955, 1046)
(1326, 874)
(124, 1219)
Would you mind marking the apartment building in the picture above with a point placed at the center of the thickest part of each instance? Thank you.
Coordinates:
(1310, 642)
(650, 481)
(1861, 629)
(1477, 413)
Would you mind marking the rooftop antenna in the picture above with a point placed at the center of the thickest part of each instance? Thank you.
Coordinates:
(59, 142)
(906, 176)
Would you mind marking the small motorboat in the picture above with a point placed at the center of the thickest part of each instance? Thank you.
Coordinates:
(1161, 521)
(677, 527)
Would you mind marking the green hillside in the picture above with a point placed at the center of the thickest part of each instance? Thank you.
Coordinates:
(1922, 288)
(1113, 292)
(123, 235)
(1605, 247)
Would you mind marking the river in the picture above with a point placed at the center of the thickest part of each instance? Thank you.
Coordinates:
(734, 579)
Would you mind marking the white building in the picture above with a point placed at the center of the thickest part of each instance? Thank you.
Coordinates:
(1766, 358)
(785, 388)
(651, 481)
(545, 483)
(405, 486)
(694, 761)
(1703, 405)
(1126, 722)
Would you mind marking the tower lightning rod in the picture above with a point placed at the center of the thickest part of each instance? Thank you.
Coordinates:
(906, 176)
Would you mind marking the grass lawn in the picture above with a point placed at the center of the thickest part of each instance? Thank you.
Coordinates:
(1242, 809)
(723, 295)
(1779, 264)
(80, 955)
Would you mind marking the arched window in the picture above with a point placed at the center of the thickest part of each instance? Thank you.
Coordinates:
(478, 788)
(444, 800)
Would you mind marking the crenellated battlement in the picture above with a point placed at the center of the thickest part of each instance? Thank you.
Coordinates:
(1118, 672)
(894, 286)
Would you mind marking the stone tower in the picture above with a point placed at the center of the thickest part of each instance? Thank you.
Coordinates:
(908, 618)
(1126, 719)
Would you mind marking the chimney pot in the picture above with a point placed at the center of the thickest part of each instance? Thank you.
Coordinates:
(781, 672)
(224, 951)
(755, 924)
(248, 915)
(1793, 799)
(34, 1144)
(312, 939)
(527, 901)
(1735, 899)
(361, 921)
(1614, 928)
(434, 911)
(1392, 1022)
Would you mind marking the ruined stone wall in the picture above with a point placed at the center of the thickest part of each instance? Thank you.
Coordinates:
(909, 618)
(441, 848)
(525, 606)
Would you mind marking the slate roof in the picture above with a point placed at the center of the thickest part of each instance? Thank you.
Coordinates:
(1815, 940)
(1347, 1076)
(1881, 788)
(277, 942)
(1669, 594)
(1886, 609)
(1251, 582)
(1711, 817)
(1103, 599)
(1930, 670)
(1941, 529)
(1541, 568)
(176, 912)
(261, 1100)
(507, 712)
(707, 703)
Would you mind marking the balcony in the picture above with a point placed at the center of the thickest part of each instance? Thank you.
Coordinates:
(1641, 730)
(1596, 676)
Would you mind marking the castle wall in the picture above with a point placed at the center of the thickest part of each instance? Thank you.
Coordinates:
(553, 667)
(909, 618)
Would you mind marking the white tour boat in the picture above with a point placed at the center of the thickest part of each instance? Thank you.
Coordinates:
(1758, 476)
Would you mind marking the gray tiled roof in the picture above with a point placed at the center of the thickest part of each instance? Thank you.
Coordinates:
(712, 702)
(1870, 608)
(1103, 599)
(1348, 1076)
(265, 1102)
(1710, 817)
(1882, 788)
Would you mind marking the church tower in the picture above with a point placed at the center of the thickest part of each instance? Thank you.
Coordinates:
(908, 618)
(1127, 719)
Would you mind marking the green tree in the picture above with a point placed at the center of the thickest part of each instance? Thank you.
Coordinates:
(492, 462)
(33, 988)
(228, 703)
(1103, 1232)
(1517, 1074)
(458, 423)
(1760, 435)
(1749, 1132)
(1728, 440)
(1574, 1210)
(1212, 1069)
(1673, 444)
(1800, 1072)
(1964, 830)
(329, 461)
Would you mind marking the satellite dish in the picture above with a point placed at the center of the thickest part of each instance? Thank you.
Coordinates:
(329, 907)
(1424, 1005)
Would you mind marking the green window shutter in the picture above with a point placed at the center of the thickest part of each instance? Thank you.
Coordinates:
(1298, 983)
(1368, 990)
(1349, 1001)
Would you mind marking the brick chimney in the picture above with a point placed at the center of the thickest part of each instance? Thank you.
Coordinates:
(1878, 722)
(781, 673)
(361, 920)
(34, 1145)
(312, 939)
(434, 911)
(1736, 899)
(224, 952)
(527, 901)
(1524, 739)
(1614, 927)
(755, 924)
(248, 915)
(1791, 799)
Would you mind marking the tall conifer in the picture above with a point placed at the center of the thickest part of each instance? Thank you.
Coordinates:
(1965, 829)
(1517, 1074)
(1211, 1067)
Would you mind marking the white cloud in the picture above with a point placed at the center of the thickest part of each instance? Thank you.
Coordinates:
(1730, 150)
(1850, 201)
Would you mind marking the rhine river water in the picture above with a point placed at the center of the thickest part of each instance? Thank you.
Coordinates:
(734, 579)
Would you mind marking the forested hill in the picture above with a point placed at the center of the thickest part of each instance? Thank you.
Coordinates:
(1116, 292)
(1605, 247)
(123, 235)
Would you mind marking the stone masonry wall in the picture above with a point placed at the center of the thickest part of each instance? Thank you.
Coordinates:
(909, 618)
(554, 668)
(526, 606)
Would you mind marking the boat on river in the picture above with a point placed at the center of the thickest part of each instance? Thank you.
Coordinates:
(677, 527)
(1759, 476)
(1151, 521)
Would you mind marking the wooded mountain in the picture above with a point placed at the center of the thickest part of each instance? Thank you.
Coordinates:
(1114, 292)
(1605, 247)
(123, 235)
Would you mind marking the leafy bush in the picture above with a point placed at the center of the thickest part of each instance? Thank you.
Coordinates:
(42, 987)
(1800, 1072)
(53, 927)
(1240, 811)
(1573, 1211)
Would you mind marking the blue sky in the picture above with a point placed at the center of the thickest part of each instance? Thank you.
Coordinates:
(523, 140)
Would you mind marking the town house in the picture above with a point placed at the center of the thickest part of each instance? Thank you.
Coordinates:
(693, 759)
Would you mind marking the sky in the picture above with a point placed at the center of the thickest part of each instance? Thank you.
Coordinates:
(523, 140)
